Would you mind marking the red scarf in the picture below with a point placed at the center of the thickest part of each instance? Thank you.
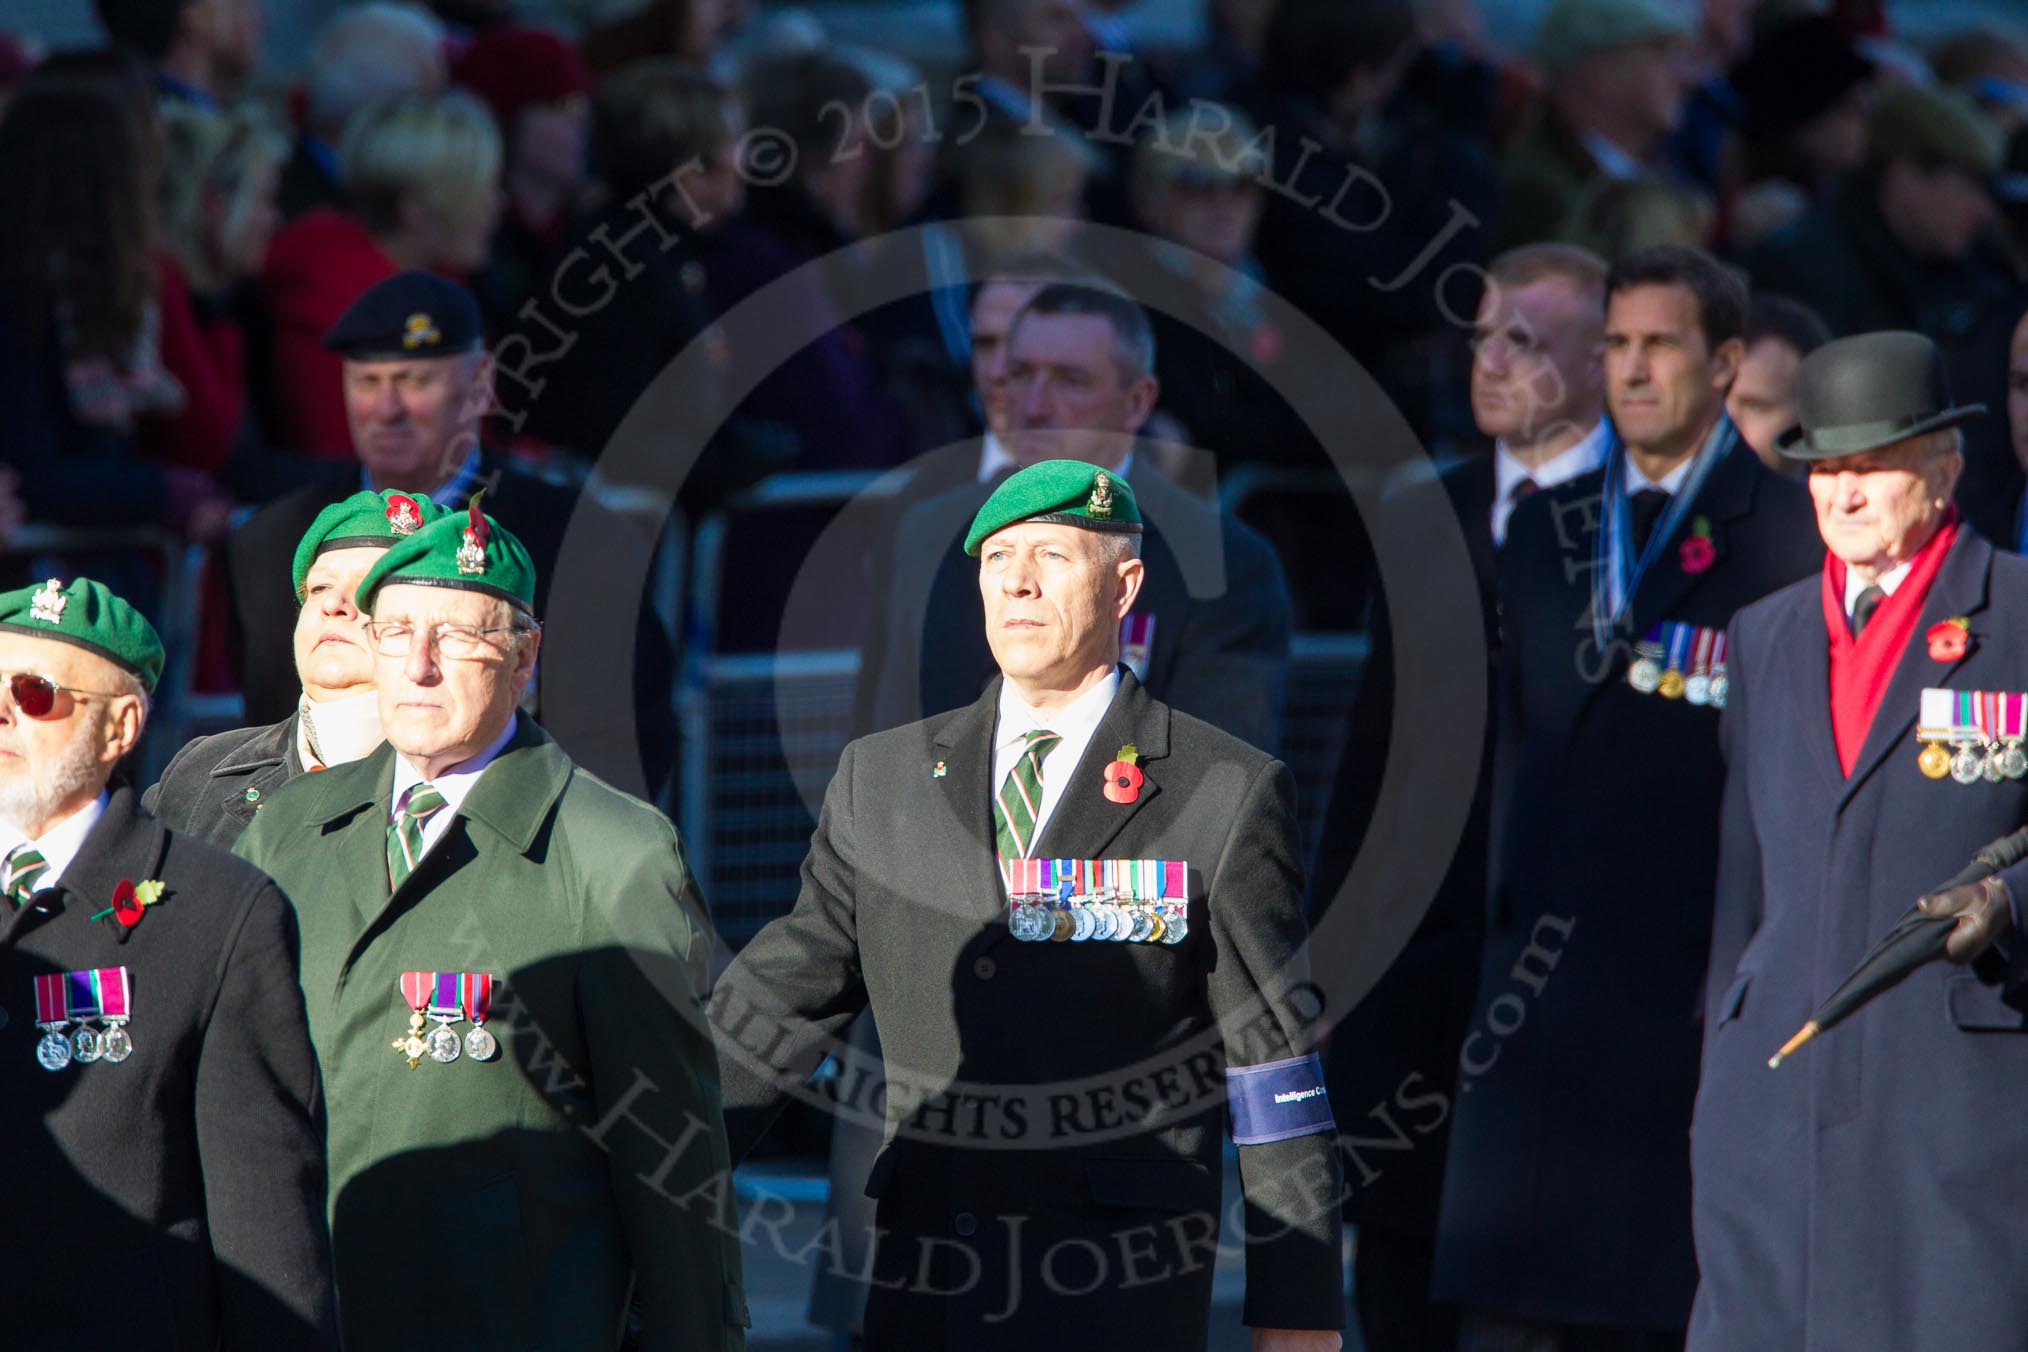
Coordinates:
(1861, 668)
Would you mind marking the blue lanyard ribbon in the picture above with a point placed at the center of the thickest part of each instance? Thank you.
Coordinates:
(1616, 573)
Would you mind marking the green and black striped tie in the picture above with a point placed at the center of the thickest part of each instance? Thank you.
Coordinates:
(24, 868)
(1020, 800)
(405, 832)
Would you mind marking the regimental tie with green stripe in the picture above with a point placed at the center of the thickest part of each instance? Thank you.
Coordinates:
(405, 832)
(23, 868)
(1020, 800)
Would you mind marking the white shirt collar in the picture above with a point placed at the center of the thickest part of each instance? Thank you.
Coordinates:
(1670, 483)
(1887, 582)
(60, 843)
(1583, 456)
(1075, 723)
(454, 784)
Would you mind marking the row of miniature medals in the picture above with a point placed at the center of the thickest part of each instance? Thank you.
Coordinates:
(1681, 661)
(1137, 901)
(1972, 735)
(445, 998)
(97, 995)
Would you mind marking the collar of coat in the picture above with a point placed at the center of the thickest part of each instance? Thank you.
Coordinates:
(125, 843)
(272, 745)
(512, 799)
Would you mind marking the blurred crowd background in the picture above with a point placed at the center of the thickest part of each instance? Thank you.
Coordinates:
(197, 189)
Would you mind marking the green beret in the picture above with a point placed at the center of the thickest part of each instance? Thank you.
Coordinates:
(88, 615)
(1573, 29)
(1937, 126)
(467, 550)
(1065, 492)
(364, 520)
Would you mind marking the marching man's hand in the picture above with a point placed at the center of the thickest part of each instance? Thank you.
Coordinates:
(1985, 916)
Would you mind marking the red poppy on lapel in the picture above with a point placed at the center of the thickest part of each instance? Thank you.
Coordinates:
(1123, 777)
(130, 901)
(1696, 554)
(1948, 639)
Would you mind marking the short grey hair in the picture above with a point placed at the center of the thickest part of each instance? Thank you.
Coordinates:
(1133, 337)
(370, 52)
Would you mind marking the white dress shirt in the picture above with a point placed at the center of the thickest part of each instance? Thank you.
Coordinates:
(1670, 483)
(1887, 582)
(1582, 457)
(61, 842)
(1074, 723)
(453, 784)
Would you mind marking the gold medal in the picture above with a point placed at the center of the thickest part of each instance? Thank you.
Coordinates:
(1934, 760)
(1671, 686)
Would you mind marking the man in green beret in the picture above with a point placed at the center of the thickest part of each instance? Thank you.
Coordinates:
(163, 1180)
(1075, 915)
(214, 785)
(502, 956)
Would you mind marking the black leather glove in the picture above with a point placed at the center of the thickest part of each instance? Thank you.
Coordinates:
(1985, 915)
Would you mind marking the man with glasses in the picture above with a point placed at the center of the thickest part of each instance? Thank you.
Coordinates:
(214, 785)
(163, 1176)
(504, 1176)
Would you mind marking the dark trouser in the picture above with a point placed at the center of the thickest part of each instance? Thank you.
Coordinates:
(1486, 1331)
(1390, 1287)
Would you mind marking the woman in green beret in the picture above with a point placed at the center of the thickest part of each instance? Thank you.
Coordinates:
(213, 786)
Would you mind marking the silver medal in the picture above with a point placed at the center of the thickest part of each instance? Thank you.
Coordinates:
(53, 1052)
(1967, 765)
(1645, 675)
(444, 1044)
(1720, 688)
(1179, 927)
(1081, 917)
(480, 1044)
(84, 1044)
(114, 1044)
(1697, 690)
(2014, 761)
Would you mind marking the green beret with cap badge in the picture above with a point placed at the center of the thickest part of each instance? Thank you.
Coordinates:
(466, 550)
(1062, 492)
(87, 615)
(364, 520)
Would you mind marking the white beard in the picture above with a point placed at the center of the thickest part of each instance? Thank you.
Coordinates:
(35, 797)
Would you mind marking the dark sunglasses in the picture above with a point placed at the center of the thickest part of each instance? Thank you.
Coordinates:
(35, 696)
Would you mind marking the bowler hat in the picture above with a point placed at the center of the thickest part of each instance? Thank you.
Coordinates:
(1862, 393)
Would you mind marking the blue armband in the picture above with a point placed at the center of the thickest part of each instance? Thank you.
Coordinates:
(1278, 1100)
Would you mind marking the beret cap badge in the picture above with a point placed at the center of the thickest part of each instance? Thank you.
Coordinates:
(47, 605)
(472, 553)
(403, 517)
(420, 331)
(1100, 504)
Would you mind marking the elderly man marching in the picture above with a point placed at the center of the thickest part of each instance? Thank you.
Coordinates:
(162, 1183)
(1869, 1191)
(214, 785)
(1076, 916)
(541, 1132)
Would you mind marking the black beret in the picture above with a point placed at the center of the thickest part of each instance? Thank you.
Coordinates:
(411, 314)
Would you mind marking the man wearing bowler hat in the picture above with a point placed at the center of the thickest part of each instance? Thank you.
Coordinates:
(1868, 1193)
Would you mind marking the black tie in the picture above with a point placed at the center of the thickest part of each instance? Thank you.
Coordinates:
(1523, 489)
(1863, 608)
(1647, 506)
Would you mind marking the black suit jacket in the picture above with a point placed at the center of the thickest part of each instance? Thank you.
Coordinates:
(1400, 1043)
(175, 1200)
(264, 608)
(1034, 1063)
(1216, 592)
(1567, 1193)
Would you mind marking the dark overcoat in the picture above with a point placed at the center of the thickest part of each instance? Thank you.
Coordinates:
(1869, 1192)
(1567, 1189)
(174, 1200)
(213, 786)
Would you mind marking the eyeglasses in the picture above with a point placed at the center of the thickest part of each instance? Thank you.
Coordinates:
(35, 695)
(453, 642)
